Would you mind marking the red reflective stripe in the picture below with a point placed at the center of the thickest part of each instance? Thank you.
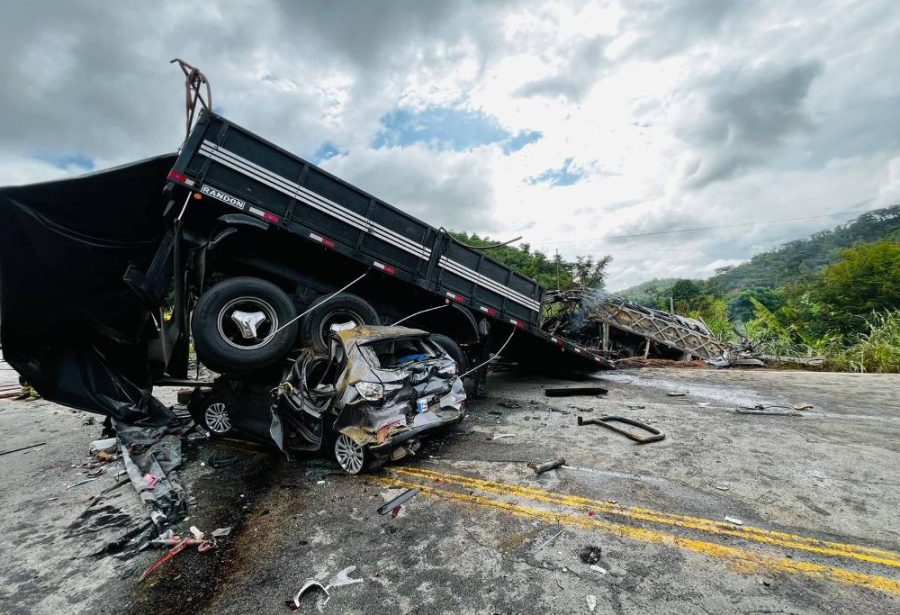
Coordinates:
(328, 243)
(455, 297)
(385, 268)
(271, 217)
(176, 176)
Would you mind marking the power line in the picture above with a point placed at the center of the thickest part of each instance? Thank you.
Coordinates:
(703, 228)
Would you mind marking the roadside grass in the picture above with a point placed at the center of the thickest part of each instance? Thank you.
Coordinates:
(876, 350)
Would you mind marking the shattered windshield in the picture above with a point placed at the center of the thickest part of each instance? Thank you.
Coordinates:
(395, 353)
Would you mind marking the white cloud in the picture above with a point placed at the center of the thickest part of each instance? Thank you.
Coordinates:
(677, 113)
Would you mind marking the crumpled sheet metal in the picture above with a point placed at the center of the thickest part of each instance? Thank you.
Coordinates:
(357, 416)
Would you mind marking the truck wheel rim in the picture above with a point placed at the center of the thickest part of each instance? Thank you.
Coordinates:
(217, 418)
(339, 317)
(349, 454)
(233, 335)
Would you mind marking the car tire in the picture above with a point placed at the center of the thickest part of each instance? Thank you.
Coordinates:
(453, 349)
(315, 326)
(215, 414)
(223, 345)
(352, 457)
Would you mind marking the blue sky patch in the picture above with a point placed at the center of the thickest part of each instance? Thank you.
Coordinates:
(64, 161)
(526, 137)
(444, 128)
(326, 150)
(566, 175)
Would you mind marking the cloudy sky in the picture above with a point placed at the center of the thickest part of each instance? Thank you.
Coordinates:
(589, 128)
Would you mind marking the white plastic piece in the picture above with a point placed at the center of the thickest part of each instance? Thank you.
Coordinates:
(343, 578)
(733, 520)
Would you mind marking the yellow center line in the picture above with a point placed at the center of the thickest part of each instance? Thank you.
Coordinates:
(741, 560)
(782, 539)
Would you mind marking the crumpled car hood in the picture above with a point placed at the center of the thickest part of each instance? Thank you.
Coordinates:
(433, 380)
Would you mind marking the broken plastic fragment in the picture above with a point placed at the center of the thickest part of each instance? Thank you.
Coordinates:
(220, 532)
(599, 569)
(307, 586)
(733, 520)
(498, 436)
(343, 578)
(151, 480)
(591, 602)
(106, 445)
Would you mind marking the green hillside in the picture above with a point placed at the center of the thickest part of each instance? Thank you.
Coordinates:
(803, 256)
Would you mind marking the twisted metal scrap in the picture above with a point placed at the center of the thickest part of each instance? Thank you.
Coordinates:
(193, 82)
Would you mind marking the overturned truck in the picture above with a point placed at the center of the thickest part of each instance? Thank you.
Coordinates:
(253, 256)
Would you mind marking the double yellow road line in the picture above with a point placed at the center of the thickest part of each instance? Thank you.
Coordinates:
(619, 519)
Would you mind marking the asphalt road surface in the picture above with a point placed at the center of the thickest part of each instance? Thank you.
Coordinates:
(811, 501)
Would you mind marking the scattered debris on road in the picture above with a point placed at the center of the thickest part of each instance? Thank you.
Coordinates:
(398, 501)
(549, 540)
(309, 584)
(591, 602)
(599, 569)
(590, 554)
(509, 404)
(180, 544)
(773, 410)
(500, 436)
(575, 391)
(222, 461)
(540, 468)
(343, 578)
(734, 520)
(81, 482)
(607, 421)
(23, 448)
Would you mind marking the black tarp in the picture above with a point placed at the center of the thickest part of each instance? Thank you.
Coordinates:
(68, 322)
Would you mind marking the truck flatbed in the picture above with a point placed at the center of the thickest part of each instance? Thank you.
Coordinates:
(240, 171)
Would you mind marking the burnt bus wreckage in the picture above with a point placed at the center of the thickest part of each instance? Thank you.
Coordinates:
(262, 260)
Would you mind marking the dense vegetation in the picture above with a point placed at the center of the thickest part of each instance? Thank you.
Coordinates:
(551, 272)
(836, 293)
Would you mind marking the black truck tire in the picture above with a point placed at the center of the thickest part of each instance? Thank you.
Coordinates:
(315, 326)
(222, 345)
(453, 349)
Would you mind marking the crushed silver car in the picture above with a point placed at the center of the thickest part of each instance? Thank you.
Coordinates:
(377, 393)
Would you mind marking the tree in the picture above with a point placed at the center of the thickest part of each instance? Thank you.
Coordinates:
(590, 274)
(866, 279)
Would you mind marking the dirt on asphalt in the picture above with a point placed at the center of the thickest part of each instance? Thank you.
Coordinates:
(625, 527)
